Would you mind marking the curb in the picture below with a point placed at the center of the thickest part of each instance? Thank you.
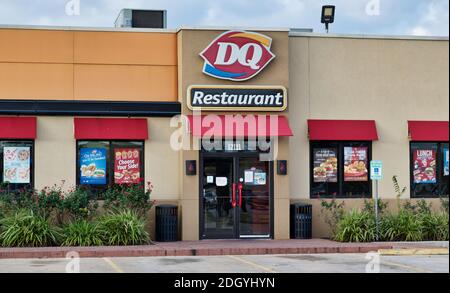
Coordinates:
(155, 251)
(410, 251)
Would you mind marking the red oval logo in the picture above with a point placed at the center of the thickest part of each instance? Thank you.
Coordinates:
(237, 55)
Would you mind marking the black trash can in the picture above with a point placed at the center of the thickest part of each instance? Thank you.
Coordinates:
(166, 223)
(301, 221)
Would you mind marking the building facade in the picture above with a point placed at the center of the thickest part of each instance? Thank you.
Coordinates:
(289, 117)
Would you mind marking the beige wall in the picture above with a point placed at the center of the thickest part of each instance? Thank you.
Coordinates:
(190, 44)
(40, 64)
(55, 156)
(390, 81)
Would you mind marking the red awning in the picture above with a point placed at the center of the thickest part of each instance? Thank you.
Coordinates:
(428, 130)
(355, 130)
(239, 126)
(111, 128)
(18, 127)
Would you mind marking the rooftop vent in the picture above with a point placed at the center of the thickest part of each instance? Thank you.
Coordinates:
(134, 18)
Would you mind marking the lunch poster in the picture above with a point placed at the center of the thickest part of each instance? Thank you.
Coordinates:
(16, 165)
(355, 164)
(127, 166)
(325, 165)
(93, 166)
(424, 166)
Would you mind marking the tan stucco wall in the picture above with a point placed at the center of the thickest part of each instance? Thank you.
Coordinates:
(190, 65)
(55, 156)
(390, 81)
(55, 152)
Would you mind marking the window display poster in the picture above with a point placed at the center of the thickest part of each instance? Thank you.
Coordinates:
(127, 166)
(260, 178)
(325, 165)
(93, 166)
(16, 165)
(446, 165)
(424, 168)
(355, 164)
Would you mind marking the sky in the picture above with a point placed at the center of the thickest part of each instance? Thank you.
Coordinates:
(376, 17)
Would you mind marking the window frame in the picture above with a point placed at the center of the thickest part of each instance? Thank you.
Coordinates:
(340, 145)
(99, 189)
(439, 185)
(31, 144)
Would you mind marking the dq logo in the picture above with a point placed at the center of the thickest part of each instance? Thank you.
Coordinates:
(237, 55)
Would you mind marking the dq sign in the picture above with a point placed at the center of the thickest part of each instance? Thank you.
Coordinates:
(237, 55)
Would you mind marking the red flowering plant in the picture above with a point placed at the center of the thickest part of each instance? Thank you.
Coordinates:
(49, 202)
(134, 197)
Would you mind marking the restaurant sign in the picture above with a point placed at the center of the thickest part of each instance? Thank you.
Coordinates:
(237, 98)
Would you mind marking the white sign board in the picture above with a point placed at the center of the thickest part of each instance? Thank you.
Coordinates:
(376, 170)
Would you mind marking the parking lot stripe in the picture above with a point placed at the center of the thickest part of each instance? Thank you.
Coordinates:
(113, 265)
(269, 270)
(406, 267)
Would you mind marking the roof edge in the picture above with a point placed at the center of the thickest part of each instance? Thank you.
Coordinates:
(364, 36)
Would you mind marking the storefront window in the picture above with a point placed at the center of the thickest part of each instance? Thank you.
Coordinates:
(16, 164)
(340, 169)
(429, 169)
(106, 163)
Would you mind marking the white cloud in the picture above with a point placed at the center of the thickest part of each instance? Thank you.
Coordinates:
(418, 17)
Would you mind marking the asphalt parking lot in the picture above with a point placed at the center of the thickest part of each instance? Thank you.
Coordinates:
(311, 263)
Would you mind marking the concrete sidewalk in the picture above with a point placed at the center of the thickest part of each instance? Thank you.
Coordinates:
(214, 248)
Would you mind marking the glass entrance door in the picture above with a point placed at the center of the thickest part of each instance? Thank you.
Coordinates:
(254, 198)
(236, 197)
(218, 199)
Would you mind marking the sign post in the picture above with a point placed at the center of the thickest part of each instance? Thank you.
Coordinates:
(376, 174)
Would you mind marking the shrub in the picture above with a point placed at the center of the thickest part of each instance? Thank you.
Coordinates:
(27, 229)
(444, 204)
(369, 206)
(356, 226)
(404, 226)
(333, 213)
(11, 201)
(434, 227)
(79, 205)
(82, 233)
(123, 228)
(50, 203)
(129, 197)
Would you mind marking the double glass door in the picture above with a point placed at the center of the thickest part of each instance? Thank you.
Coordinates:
(236, 197)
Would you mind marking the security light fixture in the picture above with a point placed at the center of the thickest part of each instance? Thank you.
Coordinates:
(328, 15)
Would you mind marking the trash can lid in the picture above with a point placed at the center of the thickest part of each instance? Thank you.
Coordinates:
(167, 206)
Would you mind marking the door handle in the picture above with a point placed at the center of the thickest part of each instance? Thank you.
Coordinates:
(240, 194)
(233, 196)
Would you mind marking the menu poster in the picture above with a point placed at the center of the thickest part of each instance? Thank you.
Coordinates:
(127, 166)
(355, 164)
(93, 166)
(325, 165)
(424, 166)
(16, 165)
(446, 165)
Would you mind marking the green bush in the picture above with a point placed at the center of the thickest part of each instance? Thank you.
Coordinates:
(356, 226)
(333, 212)
(123, 228)
(82, 233)
(129, 197)
(404, 226)
(27, 229)
(434, 226)
(79, 205)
